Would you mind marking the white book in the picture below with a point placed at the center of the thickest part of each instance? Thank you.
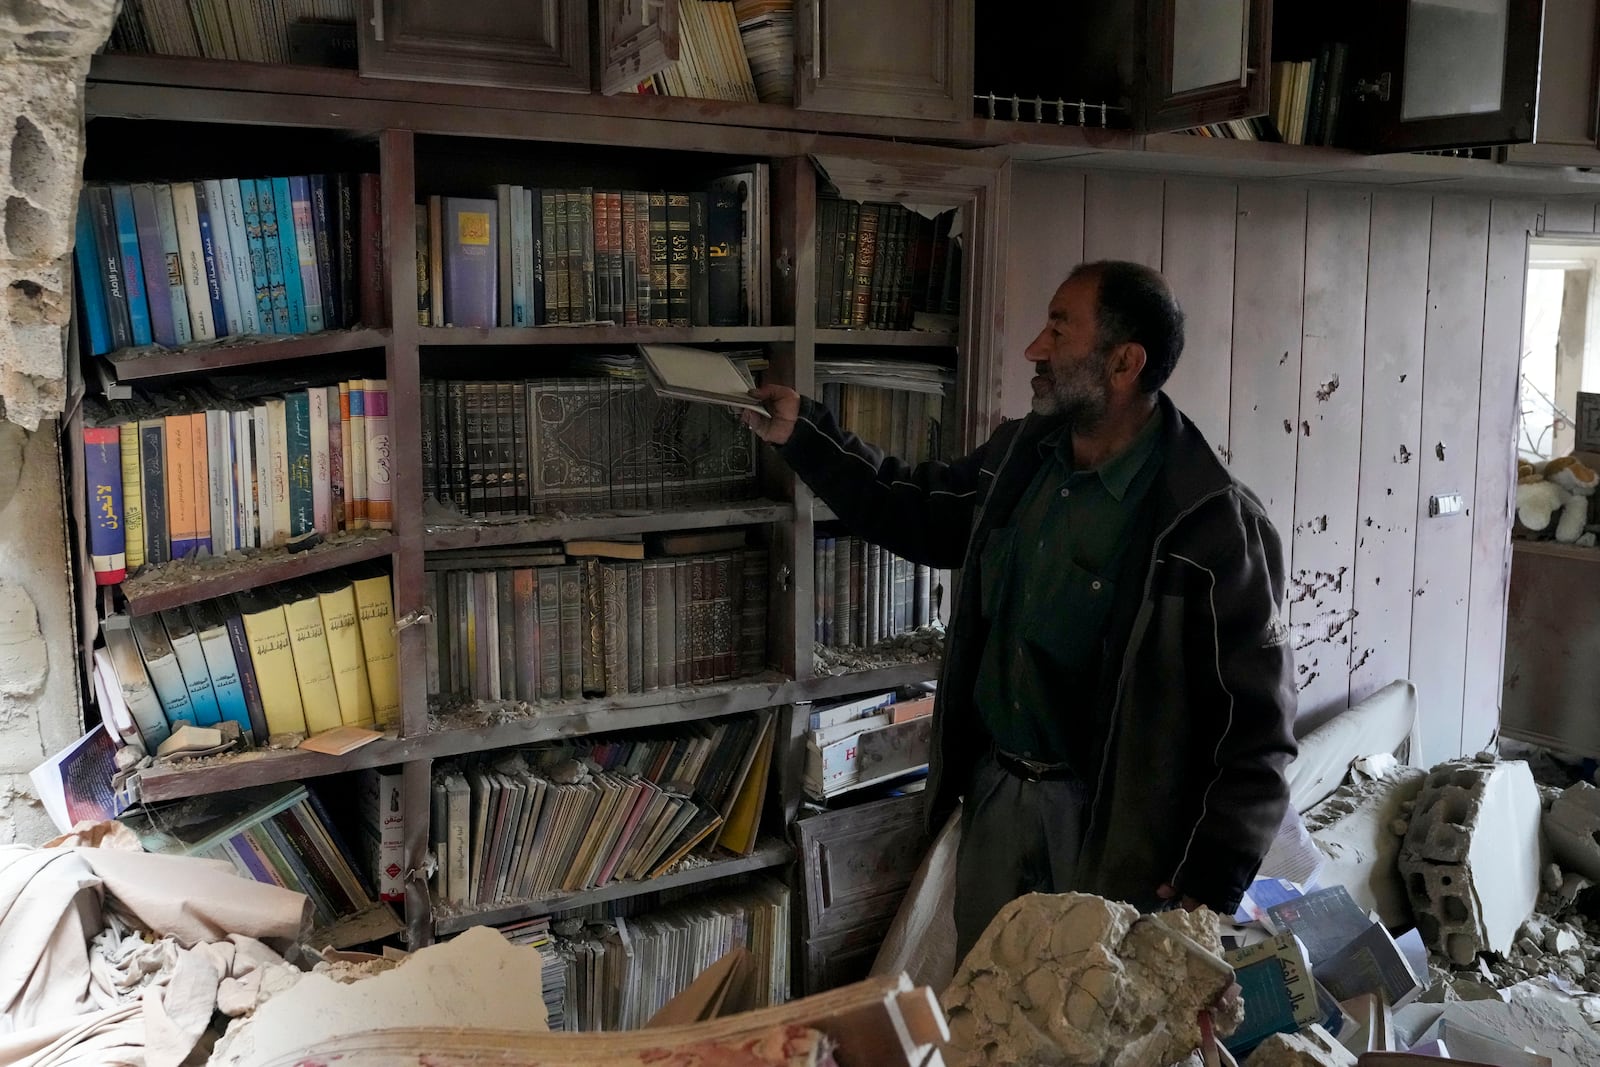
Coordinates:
(698, 374)
(263, 457)
(108, 698)
(219, 483)
(244, 275)
(278, 468)
(192, 661)
(528, 252)
(519, 235)
(244, 478)
(850, 709)
(321, 464)
(186, 216)
(506, 215)
(222, 252)
(133, 683)
(172, 258)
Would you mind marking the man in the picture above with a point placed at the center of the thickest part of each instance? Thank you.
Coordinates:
(1116, 697)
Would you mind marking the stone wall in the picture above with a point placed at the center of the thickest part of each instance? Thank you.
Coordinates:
(45, 47)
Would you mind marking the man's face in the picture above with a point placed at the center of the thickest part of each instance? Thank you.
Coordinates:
(1070, 367)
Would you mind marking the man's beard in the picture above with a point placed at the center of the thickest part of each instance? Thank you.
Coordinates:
(1082, 396)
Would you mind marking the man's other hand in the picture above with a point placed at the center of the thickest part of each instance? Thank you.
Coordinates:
(783, 409)
(1167, 892)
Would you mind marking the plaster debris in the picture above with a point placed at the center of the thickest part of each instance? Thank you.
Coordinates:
(1471, 858)
(925, 642)
(1311, 1047)
(1079, 981)
(1536, 1017)
(24, 659)
(1355, 830)
(1573, 827)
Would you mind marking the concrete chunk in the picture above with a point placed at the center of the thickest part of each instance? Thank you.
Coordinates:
(1573, 826)
(1471, 859)
(1354, 829)
(1311, 1047)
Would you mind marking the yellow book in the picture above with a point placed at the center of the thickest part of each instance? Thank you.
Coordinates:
(375, 606)
(278, 468)
(744, 817)
(267, 629)
(132, 495)
(313, 664)
(343, 627)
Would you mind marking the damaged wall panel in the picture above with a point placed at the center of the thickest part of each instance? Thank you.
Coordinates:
(1325, 524)
(1196, 242)
(1451, 359)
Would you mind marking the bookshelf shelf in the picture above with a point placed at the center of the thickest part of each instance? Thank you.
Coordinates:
(829, 686)
(887, 338)
(602, 335)
(143, 364)
(442, 537)
(768, 853)
(175, 584)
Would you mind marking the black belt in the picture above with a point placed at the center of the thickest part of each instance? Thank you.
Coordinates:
(1033, 770)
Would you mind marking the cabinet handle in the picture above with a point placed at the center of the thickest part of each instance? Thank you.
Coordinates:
(816, 40)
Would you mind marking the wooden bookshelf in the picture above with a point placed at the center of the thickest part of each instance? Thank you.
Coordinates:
(172, 585)
(768, 853)
(442, 537)
(153, 361)
(591, 334)
(886, 338)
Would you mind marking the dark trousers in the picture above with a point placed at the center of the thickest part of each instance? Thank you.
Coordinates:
(1017, 837)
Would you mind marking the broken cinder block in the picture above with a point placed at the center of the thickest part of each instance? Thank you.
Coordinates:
(1354, 831)
(1471, 858)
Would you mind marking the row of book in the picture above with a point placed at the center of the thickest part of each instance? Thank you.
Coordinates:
(599, 440)
(556, 629)
(278, 834)
(863, 593)
(566, 818)
(1305, 104)
(536, 933)
(193, 473)
(290, 660)
(621, 971)
(851, 744)
(880, 264)
(907, 409)
(533, 257)
(260, 31)
(169, 263)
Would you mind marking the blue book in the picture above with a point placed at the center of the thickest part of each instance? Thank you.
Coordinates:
(132, 268)
(172, 256)
(305, 239)
(272, 254)
(208, 247)
(297, 418)
(91, 291)
(102, 473)
(217, 647)
(155, 648)
(293, 289)
(250, 204)
(322, 223)
(244, 283)
(192, 661)
(148, 222)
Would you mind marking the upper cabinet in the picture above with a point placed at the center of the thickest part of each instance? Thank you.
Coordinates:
(531, 44)
(1430, 74)
(1207, 61)
(897, 58)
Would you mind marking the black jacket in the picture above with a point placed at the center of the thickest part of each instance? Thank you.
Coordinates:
(1191, 727)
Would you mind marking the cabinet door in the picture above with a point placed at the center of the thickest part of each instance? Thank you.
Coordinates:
(900, 58)
(1208, 61)
(1445, 74)
(533, 44)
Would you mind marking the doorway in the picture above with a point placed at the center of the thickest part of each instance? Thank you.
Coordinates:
(1560, 345)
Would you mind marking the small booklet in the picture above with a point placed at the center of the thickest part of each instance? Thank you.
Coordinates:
(685, 373)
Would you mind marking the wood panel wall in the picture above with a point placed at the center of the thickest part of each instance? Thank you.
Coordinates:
(1351, 352)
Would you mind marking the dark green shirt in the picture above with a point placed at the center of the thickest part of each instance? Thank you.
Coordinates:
(1048, 587)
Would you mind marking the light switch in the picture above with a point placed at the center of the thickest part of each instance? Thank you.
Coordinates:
(1441, 504)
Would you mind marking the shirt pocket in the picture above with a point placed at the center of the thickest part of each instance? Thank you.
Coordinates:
(1065, 614)
(994, 569)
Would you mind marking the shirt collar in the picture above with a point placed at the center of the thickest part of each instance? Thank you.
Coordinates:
(1118, 472)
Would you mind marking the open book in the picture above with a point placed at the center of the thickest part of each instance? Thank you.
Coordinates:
(685, 373)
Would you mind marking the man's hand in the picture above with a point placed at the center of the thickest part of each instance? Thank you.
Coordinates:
(783, 409)
(1167, 892)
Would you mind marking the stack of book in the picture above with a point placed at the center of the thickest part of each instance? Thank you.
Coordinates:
(711, 63)
(878, 265)
(590, 442)
(862, 593)
(1306, 102)
(534, 257)
(192, 473)
(290, 660)
(553, 980)
(907, 409)
(260, 31)
(565, 818)
(620, 972)
(767, 30)
(172, 263)
(570, 624)
(278, 834)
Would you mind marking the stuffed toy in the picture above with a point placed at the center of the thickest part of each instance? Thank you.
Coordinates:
(1561, 486)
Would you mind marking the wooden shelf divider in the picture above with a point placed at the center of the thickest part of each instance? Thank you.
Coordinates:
(443, 537)
(204, 357)
(183, 582)
(768, 853)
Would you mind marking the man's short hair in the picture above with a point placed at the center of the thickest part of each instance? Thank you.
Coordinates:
(1135, 304)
